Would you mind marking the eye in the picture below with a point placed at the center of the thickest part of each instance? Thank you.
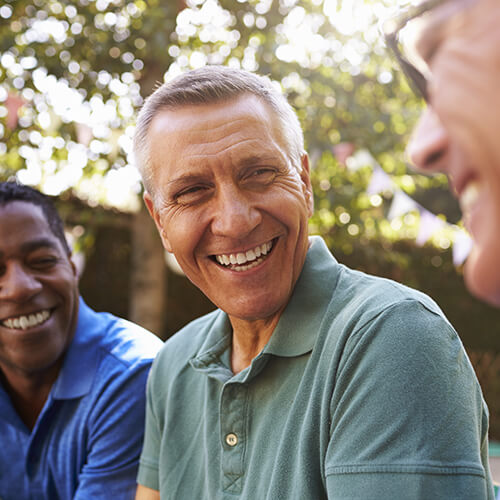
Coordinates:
(42, 262)
(191, 194)
(261, 175)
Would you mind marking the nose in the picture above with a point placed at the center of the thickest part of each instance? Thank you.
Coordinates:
(234, 216)
(17, 285)
(429, 145)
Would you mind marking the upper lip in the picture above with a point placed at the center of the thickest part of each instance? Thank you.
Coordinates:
(246, 248)
(459, 180)
(17, 314)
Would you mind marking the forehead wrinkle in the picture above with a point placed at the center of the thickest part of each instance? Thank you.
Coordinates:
(257, 124)
(217, 139)
(218, 124)
(242, 150)
(184, 124)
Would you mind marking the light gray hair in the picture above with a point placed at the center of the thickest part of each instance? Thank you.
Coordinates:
(211, 84)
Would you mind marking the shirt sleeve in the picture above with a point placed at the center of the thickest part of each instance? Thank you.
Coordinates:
(116, 431)
(407, 415)
(149, 461)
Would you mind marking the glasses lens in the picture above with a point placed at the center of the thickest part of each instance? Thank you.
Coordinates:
(416, 31)
(414, 67)
(407, 39)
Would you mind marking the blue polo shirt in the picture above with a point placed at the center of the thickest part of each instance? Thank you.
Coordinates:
(87, 439)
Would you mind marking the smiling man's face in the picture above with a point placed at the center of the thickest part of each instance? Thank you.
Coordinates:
(459, 132)
(229, 204)
(38, 293)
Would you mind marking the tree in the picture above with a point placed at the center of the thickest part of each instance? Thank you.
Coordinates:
(79, 72)
(74, 73)
(93, 56)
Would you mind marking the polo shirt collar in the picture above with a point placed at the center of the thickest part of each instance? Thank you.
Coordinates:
(298, 327)
(82, 358)
(217, 341)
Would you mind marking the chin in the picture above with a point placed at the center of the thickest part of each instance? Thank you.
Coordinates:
(253, 312)
(482, 278)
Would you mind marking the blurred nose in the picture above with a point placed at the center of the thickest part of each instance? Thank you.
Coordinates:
(234, 214)
(429, 145)
(17, 285)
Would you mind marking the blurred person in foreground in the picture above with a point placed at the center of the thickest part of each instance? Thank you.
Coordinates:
(72, 381)
(453, 61)
(311, 381)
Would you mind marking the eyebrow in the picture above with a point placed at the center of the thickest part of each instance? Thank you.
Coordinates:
(256, 159)
(36, 244)
(247, 161)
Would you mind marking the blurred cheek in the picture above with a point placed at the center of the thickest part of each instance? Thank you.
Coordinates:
(482, 273)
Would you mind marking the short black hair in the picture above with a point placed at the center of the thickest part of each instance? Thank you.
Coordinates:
(13, 191)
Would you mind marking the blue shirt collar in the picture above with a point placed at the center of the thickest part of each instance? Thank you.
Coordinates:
(82, 358)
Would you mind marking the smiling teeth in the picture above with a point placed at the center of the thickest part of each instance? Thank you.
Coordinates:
(245, 260)
(25, 322)
(469, 196)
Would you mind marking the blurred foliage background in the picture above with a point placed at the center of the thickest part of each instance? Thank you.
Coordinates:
(74, 73)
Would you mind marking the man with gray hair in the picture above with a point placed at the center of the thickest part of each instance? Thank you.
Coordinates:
(310, 380)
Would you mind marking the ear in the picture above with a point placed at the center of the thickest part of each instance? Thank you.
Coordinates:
(148, 200)
(305, 176)
(73, 265)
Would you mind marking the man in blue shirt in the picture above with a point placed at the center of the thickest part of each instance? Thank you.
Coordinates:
(71, 380)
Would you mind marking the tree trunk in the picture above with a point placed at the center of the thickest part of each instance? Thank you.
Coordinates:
(148, 275)
(148, 283)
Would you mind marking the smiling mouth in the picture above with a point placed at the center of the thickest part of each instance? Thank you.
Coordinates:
(24, 322)
(469, 196)
(242, 261)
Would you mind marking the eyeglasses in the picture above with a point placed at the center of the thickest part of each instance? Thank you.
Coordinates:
(392, 30)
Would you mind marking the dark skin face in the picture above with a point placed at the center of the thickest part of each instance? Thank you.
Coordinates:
(38, 306)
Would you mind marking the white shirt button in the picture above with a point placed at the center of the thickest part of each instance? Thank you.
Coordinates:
(231, 439)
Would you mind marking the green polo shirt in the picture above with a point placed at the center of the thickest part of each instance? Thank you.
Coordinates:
(363, 391)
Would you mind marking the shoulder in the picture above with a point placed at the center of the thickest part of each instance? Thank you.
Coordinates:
(120, 340)
(395, 342)
(129, 341)
(366, 297)
(372, 316)
(386, 324)
(354, 297)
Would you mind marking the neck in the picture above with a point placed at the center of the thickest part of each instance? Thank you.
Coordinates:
(249, 338)
(28, 392)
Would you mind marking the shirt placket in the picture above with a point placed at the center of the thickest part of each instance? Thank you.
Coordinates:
(233, 435)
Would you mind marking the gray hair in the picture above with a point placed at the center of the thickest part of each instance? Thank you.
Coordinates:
(215, 84)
